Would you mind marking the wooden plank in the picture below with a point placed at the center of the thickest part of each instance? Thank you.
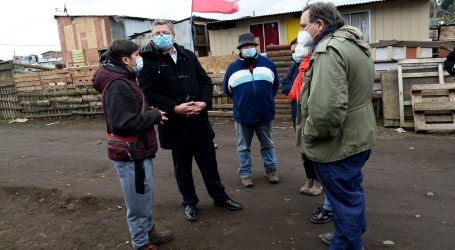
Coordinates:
(221, 113)
(435, 106)
(420, 74)
(441, 73)
(277, 47)
(434, 127)
(452, 99)
(421, 61)
(400, 92)
(222, 106)
(438, 118)
(279, 53)
(421, 87)
(390, 97)
(280, 58)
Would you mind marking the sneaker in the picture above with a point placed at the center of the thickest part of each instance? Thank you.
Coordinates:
(247, 182)
(316, 189)
(158, 238)
(321, 216)
(272, 176)
(327, 238)
(306, 187)
(317, 210)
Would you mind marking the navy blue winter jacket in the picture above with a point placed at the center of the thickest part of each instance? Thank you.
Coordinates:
(286, 86)
(252, 93)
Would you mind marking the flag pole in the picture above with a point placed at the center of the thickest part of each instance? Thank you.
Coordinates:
(191, 28)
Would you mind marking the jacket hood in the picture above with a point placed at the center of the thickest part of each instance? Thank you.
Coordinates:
(106, 73)
(355, 35)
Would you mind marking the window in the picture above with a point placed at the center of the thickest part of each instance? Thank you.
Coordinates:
(360, 20)
(267, 32)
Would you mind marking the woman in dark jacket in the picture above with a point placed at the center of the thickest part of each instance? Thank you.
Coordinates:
(128, 115)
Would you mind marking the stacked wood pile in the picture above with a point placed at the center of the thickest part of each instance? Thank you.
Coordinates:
(9, 107)
(397, 84)
(58, 93)
(222, 104)
(434, 107)
(281, 56)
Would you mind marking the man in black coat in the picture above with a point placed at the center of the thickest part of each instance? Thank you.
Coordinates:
(449, 63)
(174, 81)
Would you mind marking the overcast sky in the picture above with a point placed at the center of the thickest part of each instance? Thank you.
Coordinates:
(28, 26)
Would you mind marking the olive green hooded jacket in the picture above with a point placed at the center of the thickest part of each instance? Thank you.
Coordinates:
(335, 117)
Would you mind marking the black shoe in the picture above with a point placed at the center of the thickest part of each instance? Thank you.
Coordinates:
(322, 216)
(191, 213)
(229, 204)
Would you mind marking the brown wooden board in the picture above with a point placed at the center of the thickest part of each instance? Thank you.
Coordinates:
(436, 113)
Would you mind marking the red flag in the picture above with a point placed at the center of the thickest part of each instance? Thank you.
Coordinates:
(216, 6)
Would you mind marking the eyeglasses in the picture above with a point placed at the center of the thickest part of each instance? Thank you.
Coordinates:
(165, 33)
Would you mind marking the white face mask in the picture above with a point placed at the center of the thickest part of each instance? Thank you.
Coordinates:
(301, 51)
(305, 39)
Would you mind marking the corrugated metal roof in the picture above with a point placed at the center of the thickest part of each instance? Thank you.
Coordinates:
(297, 7)
(129, 17)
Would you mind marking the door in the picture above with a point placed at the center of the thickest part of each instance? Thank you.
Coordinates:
(268, 34)
(271, 33)
(258, 31)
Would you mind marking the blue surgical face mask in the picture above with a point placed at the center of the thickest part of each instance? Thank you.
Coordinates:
(248, 53)
(139, 65)
(297, 59)
(163, 41)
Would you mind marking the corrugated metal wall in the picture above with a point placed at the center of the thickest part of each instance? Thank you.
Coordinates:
(224, 42)
(401, 20)
(91, 33)
(83, 33)
(182, 33)
(135, 26)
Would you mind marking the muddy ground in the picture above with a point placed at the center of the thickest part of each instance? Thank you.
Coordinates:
(58, 190)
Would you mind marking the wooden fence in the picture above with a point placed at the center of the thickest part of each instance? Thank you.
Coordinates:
(58, 93)
(9, 107)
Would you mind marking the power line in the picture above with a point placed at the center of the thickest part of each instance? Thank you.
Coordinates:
(29, 45)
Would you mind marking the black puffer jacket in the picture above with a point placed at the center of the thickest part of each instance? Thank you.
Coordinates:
(124, 100)
(167, 84)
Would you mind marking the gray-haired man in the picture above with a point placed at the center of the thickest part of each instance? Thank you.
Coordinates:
(335, 120)
(174, 81)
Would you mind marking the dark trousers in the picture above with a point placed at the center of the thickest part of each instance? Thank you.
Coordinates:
(342, 182)
(307, 164)
(205, 157)
(309, 168)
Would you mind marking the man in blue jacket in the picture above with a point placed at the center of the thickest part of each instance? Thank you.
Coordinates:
(251, 81)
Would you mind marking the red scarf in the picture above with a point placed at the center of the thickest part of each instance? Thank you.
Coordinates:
(298, 82)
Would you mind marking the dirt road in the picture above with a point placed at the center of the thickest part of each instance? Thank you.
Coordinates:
(58, 190)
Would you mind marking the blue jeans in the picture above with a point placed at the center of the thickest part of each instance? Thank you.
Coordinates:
(327, 206)
(136, 179)
(244, 137)
(342, 182)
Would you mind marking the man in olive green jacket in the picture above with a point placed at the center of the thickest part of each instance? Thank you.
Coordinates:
(335, 120)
